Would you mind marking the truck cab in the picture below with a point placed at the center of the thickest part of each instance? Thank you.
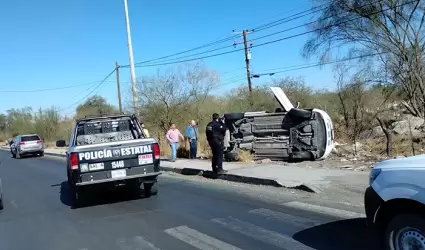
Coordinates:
(395, 202)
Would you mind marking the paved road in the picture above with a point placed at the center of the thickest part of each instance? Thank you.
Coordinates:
(185, 215)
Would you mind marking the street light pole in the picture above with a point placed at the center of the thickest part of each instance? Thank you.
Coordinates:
(130, 55)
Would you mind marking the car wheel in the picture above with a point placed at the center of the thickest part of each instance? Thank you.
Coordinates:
(405, 231)
(300, 113)
(232, 156)
(42, 154)
(234, 116)
(75, 197)
(150, 189)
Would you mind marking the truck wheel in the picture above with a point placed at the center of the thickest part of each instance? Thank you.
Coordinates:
(234, 116)
(150, 189)
(405, 231)
(75, 197)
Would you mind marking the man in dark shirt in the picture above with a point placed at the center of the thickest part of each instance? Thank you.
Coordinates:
(215, 131)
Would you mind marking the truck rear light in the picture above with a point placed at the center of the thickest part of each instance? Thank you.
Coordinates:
(156, 151)
(21, 143)
(73, 161)
(39, 141)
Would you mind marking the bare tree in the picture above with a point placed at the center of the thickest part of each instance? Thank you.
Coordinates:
(388, 135)
(175, 95)
(390, 30)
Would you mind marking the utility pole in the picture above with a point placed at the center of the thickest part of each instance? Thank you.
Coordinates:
(130, 55)
(247, 59)
(117, 71)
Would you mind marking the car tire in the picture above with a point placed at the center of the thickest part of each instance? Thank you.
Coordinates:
(232, 156)
(234, 116)
(402, 225)
(300, 113)
(42, 154)
(75, 197)
(150, 189)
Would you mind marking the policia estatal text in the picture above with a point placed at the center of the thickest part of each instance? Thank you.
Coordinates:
(215, 131)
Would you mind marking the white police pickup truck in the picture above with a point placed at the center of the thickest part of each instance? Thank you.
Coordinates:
(395, 202)
(110, 151)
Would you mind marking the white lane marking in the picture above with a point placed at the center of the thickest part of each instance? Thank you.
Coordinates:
(324, 210)
(135, 243)
(198, 239)
(270, 214)
(261, 234)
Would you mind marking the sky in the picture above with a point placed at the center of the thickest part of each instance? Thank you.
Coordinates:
(47, 47)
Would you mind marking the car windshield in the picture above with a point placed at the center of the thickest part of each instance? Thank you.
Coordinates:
(30, 138)
(94, 132)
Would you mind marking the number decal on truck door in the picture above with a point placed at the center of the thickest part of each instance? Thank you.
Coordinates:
(117, 164)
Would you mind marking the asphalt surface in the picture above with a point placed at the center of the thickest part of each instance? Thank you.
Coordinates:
(186, 214)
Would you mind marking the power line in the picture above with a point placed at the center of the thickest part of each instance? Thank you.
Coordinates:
(290, 18)
(189, 50)
(96, 87)
(49, 89)
(259, 28)
(298, 67)
(273, 41)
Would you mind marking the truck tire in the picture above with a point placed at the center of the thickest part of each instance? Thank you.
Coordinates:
(404, 227)
(232, 156)
(75, 196)
(234, 116)
(300, 113)
(150, 189)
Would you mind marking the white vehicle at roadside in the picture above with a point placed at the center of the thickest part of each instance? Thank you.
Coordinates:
(289, 133)
(395, 202)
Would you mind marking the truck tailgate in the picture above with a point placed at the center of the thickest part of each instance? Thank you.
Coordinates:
(117, 161)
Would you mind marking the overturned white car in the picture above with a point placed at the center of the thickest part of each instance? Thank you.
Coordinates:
(289, 134)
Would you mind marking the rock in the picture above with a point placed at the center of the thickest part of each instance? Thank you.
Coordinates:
(399, 157)
(264, 161)
(402, 127)
(373, 133)
(361, 168)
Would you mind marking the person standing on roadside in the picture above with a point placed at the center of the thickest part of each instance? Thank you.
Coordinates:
(173, 136)
(145, 130)
(192, 136)
(215, 131)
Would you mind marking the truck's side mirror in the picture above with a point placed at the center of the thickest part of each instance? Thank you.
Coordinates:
(60, 143)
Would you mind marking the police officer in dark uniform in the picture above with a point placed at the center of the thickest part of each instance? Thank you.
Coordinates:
(215, 131)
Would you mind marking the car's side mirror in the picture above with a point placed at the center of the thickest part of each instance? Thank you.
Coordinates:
(60, 143)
